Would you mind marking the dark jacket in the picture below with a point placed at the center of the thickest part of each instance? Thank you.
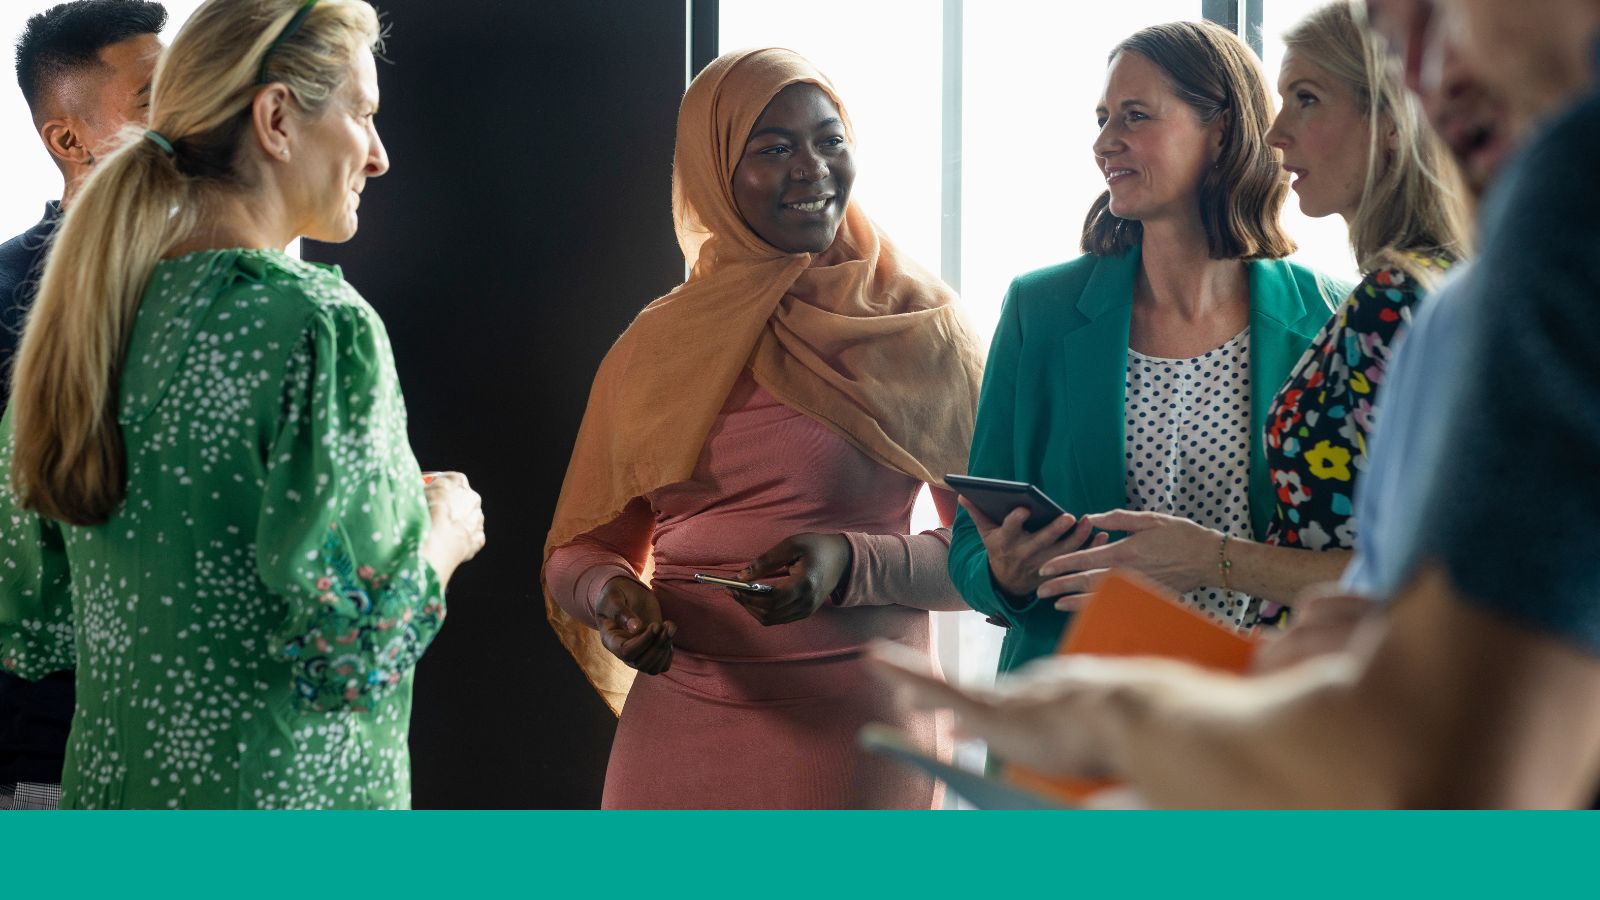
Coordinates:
(34, 715)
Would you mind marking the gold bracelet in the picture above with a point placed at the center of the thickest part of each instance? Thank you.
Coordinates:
(1223, 563)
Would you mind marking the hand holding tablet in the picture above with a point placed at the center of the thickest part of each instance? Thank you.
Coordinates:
(997, 498)
(1021, 528)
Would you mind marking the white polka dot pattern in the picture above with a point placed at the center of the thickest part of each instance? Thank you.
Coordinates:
(1188, 449)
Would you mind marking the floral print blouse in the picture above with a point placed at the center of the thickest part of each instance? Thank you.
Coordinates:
(245, 625)
(1317, 430)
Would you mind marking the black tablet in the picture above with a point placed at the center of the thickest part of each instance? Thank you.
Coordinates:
(996, 498)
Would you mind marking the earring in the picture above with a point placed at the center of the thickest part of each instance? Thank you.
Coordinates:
(286, 151)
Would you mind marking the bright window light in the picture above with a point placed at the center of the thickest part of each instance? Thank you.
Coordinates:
(1033, 74)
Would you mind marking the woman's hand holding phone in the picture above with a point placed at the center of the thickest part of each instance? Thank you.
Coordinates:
(631, 627)
(1016, 554)
(804, 571)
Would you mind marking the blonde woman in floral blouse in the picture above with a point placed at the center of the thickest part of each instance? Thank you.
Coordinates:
(210, 507)
(1356, 144)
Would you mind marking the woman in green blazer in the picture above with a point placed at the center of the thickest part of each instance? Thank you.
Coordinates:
(1119, 379)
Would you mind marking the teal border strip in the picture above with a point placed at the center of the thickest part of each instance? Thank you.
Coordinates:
(791, 854)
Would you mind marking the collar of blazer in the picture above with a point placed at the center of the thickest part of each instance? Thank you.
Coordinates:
(1288, 305)
(1278, 292)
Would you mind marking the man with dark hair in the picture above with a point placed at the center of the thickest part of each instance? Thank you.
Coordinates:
(84, 67)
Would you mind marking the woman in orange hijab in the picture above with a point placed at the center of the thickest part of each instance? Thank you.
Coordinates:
(770, 420)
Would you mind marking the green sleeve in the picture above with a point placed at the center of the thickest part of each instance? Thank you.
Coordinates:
(993, 456)
(35, 585)
(343, 518)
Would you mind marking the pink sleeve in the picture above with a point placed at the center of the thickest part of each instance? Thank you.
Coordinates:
(908, 570)
(578, 571)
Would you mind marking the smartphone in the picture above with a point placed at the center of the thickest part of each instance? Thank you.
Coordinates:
(748, 587)
(996, 499)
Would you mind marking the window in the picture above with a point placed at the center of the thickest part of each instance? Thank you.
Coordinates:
(1032, 75)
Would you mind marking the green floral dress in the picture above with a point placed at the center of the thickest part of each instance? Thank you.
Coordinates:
(245, 625)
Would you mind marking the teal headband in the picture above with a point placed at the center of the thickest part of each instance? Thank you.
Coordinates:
(288, 32)
(159, 141)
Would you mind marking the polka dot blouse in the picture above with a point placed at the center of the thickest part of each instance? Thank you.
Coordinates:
(1188, 449)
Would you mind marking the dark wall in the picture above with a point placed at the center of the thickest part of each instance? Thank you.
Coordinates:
(525, 220)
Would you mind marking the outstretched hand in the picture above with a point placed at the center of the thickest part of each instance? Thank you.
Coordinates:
(1171, 550)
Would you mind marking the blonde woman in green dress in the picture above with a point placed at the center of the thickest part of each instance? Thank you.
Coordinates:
(210, 507)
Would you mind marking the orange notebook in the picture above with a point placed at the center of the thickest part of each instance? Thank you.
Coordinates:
(1129, 615)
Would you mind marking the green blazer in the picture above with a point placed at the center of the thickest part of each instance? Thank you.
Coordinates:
(1051, 410)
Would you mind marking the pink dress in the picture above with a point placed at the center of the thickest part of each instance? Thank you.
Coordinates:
(766, 717)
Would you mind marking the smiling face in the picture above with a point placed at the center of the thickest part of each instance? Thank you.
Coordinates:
(793, 180)
(1324, 136)
(1152, 148)
(334, 154)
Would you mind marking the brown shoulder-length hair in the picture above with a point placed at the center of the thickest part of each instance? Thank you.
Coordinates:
(1213, 72)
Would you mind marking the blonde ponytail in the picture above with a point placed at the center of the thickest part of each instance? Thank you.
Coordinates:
(137, 205)
(67, 462)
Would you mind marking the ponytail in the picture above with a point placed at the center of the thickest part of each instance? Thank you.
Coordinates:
(139, 203)
(67, 462)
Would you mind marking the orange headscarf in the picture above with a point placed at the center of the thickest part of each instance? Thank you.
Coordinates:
(857, 337)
